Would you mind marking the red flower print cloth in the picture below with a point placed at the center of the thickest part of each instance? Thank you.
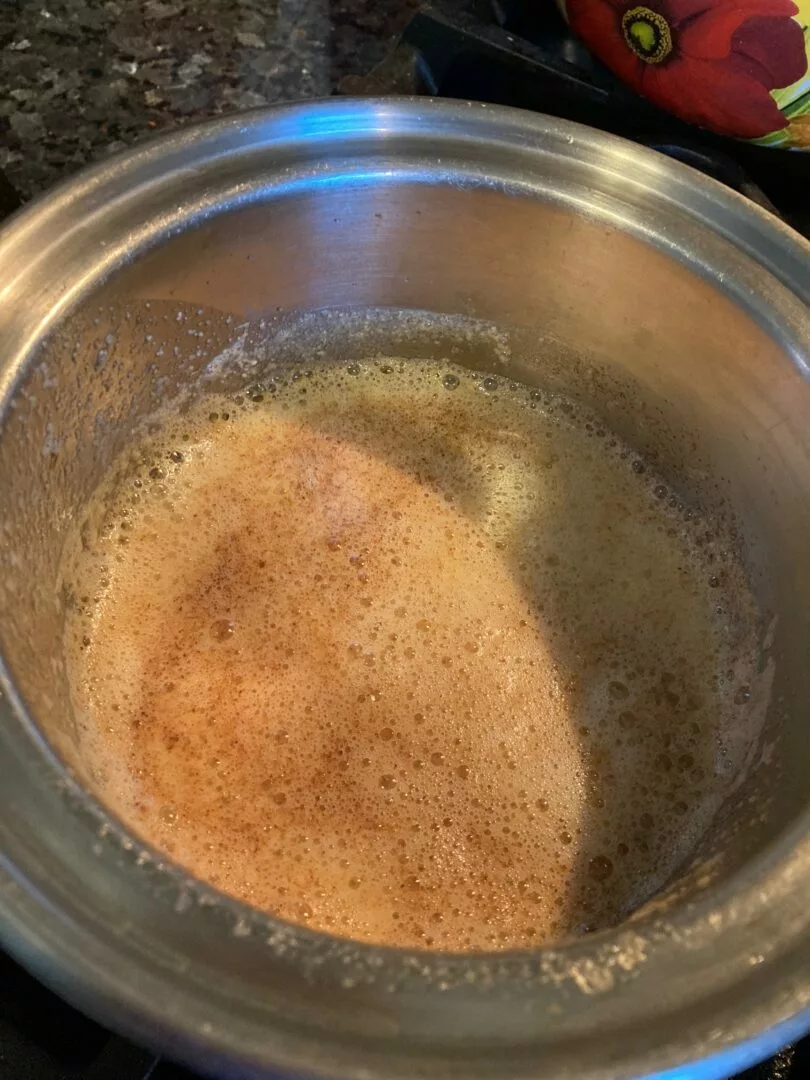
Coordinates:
(711, 62)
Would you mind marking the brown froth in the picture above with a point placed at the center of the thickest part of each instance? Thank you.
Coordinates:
(411, 659)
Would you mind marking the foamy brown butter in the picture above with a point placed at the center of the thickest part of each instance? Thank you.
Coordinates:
(410, 656)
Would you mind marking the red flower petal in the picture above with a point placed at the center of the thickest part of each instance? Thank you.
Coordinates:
(599, 26)
(708, 37)
(727, 55)
(679, 11)
(714, 95)
(771, 51)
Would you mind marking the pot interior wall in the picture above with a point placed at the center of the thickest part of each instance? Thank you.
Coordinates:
(505, 284)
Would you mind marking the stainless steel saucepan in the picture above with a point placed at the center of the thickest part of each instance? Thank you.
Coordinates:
(533, 248)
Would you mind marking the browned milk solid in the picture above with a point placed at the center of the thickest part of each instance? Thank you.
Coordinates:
(410, 656)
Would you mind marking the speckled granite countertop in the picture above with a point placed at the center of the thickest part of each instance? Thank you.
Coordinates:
(82, 78)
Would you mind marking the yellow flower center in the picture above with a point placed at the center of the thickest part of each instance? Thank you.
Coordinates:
(648, 34)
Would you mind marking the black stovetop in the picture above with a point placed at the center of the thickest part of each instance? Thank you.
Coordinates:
(42, 1038)
(505, 52)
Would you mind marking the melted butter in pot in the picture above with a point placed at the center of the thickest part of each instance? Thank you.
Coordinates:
(410, 656)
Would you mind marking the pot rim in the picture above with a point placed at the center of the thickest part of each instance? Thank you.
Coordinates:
(769, 899)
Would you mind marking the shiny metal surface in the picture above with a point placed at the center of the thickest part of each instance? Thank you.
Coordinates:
(539, 249)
